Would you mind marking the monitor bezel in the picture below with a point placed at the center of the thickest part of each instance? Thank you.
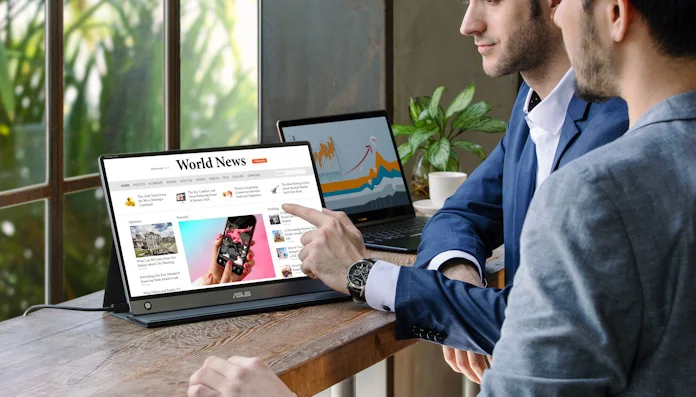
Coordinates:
(368, 216)
(210, 296)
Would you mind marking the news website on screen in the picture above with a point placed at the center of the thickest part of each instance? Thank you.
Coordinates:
(182, 219)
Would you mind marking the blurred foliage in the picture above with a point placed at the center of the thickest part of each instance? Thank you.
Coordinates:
(113, 73)
(113, 69)
(21, 258)
(22, 153)
(22, 140)
(218, 94)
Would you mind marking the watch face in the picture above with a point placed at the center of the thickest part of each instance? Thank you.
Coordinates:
(358, 273)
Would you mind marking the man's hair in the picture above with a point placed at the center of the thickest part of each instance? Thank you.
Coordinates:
(671, 24)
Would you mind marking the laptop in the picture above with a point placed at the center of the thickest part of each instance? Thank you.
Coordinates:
(186, 223)
(360, 172)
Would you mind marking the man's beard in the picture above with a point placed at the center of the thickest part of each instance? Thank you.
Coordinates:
(596, 69)
(527, 49)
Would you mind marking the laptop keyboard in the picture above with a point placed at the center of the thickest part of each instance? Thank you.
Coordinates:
(384, 232)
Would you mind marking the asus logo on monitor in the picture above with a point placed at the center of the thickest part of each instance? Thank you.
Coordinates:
(245, 294)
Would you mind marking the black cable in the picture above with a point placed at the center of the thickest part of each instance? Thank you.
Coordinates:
(116, 307)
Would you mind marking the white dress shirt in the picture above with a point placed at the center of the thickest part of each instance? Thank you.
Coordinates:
(545, 122)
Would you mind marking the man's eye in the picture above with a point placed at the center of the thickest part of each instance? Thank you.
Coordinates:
(467, 2)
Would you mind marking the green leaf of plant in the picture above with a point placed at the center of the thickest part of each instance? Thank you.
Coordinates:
(486, 124)
(398, 129)
(471, 147)
(425, 116)
(439, 153)
(420, 136)
(422, 102)
(453, 162)
(420, 117)
(414, 111)
(470, 115)
(461, 101)
(6, 91)
(440, 119)
(434, 105)
(405, 152)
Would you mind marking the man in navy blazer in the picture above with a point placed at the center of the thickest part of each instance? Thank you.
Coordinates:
(490, 207)
(548, 128)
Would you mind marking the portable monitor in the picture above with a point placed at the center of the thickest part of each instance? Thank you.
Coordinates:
(201, 233)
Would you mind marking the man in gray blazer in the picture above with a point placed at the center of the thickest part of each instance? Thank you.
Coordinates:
(603, 302)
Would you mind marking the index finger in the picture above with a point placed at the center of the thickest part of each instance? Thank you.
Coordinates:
(316, 218)
(216, 246)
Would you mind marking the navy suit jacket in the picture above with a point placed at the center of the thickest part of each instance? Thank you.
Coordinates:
(487, 210)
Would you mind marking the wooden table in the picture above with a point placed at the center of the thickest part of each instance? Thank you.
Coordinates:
(55, 353)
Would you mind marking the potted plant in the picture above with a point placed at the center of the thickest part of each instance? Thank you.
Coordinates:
(435, 132)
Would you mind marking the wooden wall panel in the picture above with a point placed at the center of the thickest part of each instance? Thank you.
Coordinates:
(320, 57)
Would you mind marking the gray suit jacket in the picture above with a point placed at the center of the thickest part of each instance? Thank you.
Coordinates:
(604, 302)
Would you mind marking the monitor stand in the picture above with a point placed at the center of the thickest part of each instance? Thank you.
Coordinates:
(114, 293)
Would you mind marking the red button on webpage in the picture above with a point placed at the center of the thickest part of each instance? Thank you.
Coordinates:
(259, 161)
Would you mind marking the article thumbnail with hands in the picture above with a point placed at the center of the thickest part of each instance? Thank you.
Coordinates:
(227, 250)
(235, 242)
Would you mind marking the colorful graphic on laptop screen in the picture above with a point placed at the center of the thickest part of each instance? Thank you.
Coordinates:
(356, 162)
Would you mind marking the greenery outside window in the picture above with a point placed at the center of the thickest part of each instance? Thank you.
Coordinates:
(79, 78)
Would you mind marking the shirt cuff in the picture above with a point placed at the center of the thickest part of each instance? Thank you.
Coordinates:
(443, 257)
(380, 288)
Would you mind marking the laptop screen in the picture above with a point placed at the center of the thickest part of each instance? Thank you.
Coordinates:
(181, 218)
(356, 161)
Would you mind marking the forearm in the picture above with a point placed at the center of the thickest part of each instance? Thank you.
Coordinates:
(462, 270)
(470, 317)
(381, 284)
(455, 306)
(472, 219)
(455, 230)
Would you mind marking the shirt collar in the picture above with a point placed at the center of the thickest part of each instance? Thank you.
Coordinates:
(550, 113)
(678, 107)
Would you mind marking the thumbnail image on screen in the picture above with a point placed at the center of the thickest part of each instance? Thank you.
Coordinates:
(236, 239)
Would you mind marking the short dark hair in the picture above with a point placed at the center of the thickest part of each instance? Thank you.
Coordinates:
(671, 24)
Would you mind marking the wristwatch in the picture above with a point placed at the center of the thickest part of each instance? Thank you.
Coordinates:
(357, 278)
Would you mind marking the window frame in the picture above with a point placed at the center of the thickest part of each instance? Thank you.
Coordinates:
(57, 186)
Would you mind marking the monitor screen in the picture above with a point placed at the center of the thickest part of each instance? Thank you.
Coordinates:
(357, 163)
(180, 219)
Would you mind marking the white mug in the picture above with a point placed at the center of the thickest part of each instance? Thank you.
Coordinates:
(443, 185)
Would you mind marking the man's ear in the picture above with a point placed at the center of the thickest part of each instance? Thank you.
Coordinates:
(553, 4)
(619, 14)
